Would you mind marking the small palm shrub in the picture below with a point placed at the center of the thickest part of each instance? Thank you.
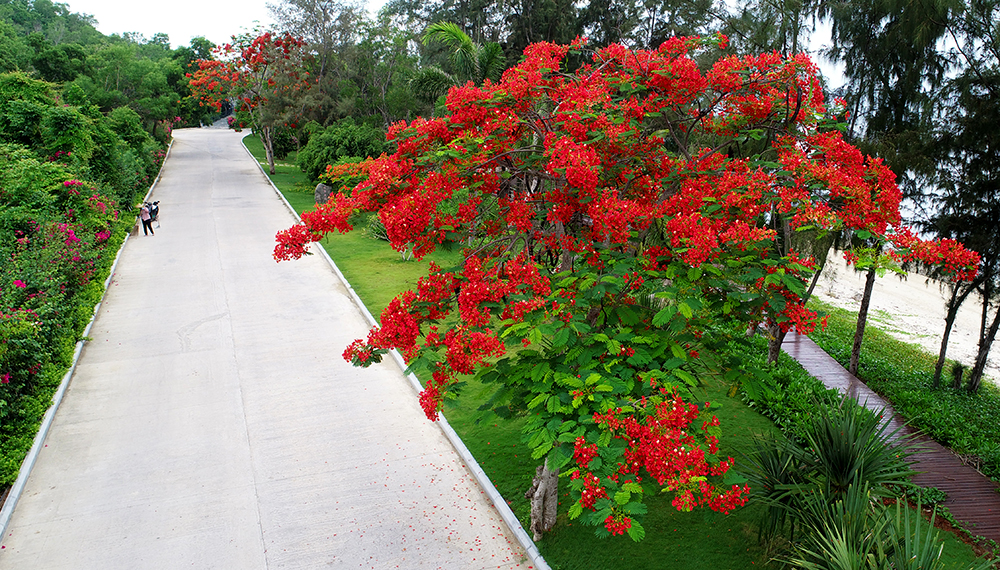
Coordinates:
(849, 445)
(841, 445)
(831, 493)
(858, 531)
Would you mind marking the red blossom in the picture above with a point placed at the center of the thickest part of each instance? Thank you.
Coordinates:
(583, 207)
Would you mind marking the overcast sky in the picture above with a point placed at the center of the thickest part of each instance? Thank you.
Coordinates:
(179, 19)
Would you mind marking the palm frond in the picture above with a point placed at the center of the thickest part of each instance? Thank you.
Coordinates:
(491, 62)
(464, 54)
(430, 83)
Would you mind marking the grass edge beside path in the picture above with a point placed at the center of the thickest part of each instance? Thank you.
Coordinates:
(697, 540)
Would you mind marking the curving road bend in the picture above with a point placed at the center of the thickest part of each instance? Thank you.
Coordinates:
(211, 422)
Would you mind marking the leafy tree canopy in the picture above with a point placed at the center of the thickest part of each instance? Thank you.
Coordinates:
(611, 218)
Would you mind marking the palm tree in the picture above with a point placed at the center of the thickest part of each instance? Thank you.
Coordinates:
(469, 60)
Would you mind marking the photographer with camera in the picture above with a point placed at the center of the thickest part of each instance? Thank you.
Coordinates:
(147, 219)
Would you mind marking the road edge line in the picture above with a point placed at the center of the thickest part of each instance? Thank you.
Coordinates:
(530, 549)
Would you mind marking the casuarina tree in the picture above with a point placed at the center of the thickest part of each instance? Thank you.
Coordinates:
(607, 229)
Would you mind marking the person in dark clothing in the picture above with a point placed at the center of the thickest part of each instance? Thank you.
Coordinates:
(154, 212)
(147, 220)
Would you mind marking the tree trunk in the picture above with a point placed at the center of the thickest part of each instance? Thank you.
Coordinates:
(859, 332)
(812, 284)
(954, 303)
(267, 139)
(775, 336)
(544, 495)
(956, 376)
(985, 343)
(949, 320)
(565, 255)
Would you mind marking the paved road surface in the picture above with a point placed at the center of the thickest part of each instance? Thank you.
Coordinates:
(212, 423)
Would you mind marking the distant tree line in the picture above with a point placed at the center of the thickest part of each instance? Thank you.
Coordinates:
(48, 42)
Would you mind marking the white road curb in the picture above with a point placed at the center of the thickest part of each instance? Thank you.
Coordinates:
(28, 464)
(531, 550)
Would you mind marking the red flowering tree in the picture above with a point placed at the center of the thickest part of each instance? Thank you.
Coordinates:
(264, 75)
(610, 217)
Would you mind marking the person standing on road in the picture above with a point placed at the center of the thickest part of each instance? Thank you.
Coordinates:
(147, 220)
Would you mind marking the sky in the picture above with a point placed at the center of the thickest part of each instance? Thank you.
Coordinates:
(181, 20)
(218, 20)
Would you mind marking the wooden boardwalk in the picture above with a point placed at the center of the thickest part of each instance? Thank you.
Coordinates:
(972, 497)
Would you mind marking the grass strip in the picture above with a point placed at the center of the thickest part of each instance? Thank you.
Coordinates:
(675, 540)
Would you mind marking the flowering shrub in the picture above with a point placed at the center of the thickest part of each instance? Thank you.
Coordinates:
(20, 330)
(609, 217)
(47, 291)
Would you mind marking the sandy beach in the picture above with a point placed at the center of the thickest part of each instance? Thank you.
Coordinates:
(912, 309)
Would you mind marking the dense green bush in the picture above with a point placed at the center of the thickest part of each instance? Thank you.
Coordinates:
(14, 53)
(784, 392)
(342, 140)
(66, 173)
(284, 143)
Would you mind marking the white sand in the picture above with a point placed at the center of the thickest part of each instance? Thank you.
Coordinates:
(910, 309)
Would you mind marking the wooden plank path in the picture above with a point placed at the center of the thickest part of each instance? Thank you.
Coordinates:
(972, 497)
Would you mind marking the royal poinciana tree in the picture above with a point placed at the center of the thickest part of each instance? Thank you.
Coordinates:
(264, 76)
(611, 218)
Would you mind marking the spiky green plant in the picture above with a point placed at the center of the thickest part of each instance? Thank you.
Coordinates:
(858, 532)
(846, 461)
(774, 472)
(849, 444)
(840, 534)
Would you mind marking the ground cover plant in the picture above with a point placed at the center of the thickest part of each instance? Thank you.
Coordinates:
(967, 422)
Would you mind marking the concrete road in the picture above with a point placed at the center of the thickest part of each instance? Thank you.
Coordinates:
(212, 423)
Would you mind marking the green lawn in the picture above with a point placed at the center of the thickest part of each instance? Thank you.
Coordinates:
(697, 540)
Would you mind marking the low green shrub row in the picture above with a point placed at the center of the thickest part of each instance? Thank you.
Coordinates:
(903, 374)
(784, 392)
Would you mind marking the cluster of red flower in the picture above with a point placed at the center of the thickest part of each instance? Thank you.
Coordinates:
(635, 200)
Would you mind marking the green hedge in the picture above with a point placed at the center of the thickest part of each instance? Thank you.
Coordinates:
(340, 142)
(68, 182)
